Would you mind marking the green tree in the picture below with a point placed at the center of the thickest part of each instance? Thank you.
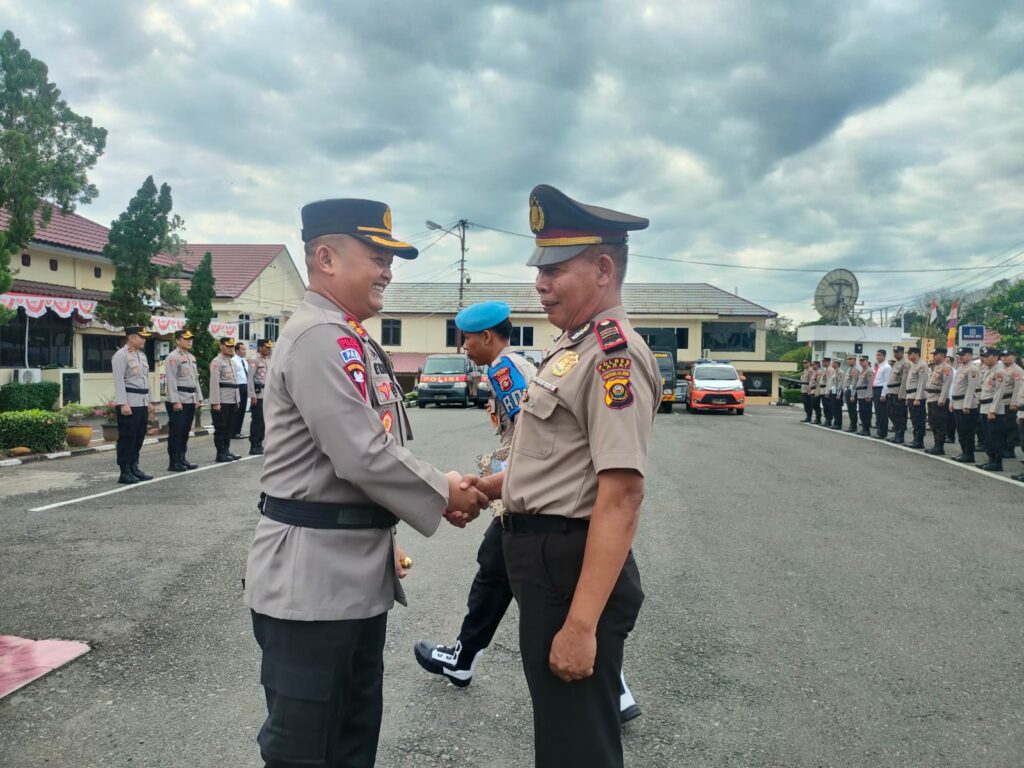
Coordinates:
(1006, 315)
(46, 150)
(780, 337)
(198, 314)
(144, 230)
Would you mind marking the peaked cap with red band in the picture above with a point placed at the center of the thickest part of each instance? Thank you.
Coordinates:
(564, 228)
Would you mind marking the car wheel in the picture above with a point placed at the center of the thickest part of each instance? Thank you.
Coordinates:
(665, 408)
(420, 404)
(739, 411)
(689, 408)
(464, 403)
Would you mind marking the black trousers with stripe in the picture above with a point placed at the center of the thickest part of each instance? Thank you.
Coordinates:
(131, 433)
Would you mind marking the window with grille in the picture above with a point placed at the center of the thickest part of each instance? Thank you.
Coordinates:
(391, 333)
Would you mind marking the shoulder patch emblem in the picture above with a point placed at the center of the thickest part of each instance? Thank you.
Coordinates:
(617, 390)
(609, 335)
(504, 378)
(350, 349)
(565, 363)
(356, 326)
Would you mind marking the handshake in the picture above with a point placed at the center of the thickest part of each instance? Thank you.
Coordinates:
(465, 499)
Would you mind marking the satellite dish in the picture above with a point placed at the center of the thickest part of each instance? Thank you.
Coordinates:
(836, 295)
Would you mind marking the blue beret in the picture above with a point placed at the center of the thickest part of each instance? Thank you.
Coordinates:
(479, 317)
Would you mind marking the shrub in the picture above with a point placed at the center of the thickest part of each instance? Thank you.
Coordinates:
(41, 431)
(27, 397)
(76, 413)
(792, 395)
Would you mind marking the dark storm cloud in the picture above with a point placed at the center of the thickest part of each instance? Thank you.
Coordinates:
(817, 134)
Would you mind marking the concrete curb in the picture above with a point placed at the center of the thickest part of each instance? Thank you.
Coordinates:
(91, 449)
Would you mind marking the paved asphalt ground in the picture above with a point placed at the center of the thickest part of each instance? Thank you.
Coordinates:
(812, 600)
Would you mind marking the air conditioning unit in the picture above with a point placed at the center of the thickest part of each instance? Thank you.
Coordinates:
(28, 375)
(705, 353)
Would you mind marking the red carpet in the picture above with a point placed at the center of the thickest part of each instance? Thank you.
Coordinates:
(22, 660)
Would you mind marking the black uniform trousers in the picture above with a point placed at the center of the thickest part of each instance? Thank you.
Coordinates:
(865, 414)
(851, 410)
(1012, 439)
(131, 433)
(836, 406)
(937, 420)
(490, 594)
(881, 411)
(966, 426)
(243, 401)
(898, 408)
(257, 428)
(577, 723)
(917, 419)
(808, 404)
(995, 437)
(816, 403)
(951, 432)
(223, 426)
(179, 424)
(323, 683)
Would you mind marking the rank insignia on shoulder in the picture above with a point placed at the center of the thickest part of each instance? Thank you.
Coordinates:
(565, 363)
(579, 333)
(618, 393)
(609, 335)
(356, 326)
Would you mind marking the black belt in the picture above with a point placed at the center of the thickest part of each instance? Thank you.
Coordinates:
(959, 397)
(229, 386)
(186, 389)
(542, 523)
(316, 514)
(136, 391)
(860, 388)
(933, 391)
(986, 402)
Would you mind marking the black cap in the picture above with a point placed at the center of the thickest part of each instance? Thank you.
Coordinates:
(939, 351)
(965, 351)
(184, 333)
(367, 220)
(911, 350)
(1006, 352)
(136, 330)
(268, 343)
(864, 357)
(900, 349)
(565, 228)
(987, 351)
(228, 341)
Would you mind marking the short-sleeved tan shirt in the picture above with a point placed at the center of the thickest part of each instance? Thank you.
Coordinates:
(587, 410)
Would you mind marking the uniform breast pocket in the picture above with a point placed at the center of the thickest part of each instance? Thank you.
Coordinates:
(537, 422)
(385, 391)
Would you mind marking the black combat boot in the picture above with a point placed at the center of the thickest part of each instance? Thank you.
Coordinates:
(1019, 478)
(964, 458)
(992, 466)
(188, 464)
(918, 443)
(806, 421)
(222, 454)
(936, 450)
(256, 449)
(139, 473)
(176, 464)
(127, 478)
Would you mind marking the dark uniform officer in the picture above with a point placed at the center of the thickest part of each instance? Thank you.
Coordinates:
(259, 368)
(337, 477)
(131, 397)
(183, 395)
(574, 484)
(224, 398)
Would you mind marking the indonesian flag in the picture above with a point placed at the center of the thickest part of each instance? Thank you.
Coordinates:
(951, 325)
(935, 311)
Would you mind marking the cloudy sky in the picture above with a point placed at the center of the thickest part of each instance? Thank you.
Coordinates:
(873, 135)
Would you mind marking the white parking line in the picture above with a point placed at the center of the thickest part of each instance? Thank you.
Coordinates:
(144, 484)
(915, 451)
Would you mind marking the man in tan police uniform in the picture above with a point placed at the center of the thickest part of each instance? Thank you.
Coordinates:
(867, 374)
(130, 367)
(1014, 377)
(940, 382)
(337, 478)
(183, 397)
(259, 367)
(574, 484)
(805, 379)
(913, 384)
(224, 397)
(964, 400)
(993, 407)
(897, 395)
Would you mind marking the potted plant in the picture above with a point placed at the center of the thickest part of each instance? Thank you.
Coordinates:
(108, 411)
(79, 433)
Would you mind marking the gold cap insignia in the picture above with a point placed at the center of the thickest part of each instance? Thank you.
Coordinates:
(536, 215)
(387, 219)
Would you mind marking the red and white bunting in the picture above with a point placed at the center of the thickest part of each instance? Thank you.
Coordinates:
(37, 306)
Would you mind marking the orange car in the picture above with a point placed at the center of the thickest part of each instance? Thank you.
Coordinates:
(715, 387)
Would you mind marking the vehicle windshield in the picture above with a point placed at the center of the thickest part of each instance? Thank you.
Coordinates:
(444, 366)
(716, 374)
(666, 364)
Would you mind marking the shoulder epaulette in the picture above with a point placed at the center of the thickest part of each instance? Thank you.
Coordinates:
(609, 335)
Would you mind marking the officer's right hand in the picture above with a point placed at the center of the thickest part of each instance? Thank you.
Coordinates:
(216, 407)
(126, 410)
(464, 504)
(176, 407)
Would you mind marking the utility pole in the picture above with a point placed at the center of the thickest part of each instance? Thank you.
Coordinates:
(462, 259)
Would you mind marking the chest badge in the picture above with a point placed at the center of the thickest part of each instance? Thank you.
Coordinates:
(565, 363)
(387, 420)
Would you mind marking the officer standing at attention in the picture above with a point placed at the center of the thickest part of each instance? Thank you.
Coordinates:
(812, 390)
(993, 406)
(805, 378)
(938, 388)
(964, 399)
(825, 378)
(896, 395)
(881, 377)
(916, 383)
(864, 395)
(131, 396)
(1018, 404)
(258, 369)
(337, 478)
(575, 482)
(224, 399)
(1014, 376)
(838, 380)
(183, 395)
(242, 377)
(850, 390)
